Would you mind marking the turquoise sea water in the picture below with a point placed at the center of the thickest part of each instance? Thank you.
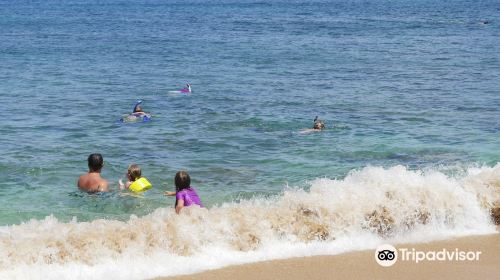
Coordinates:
(414, 83)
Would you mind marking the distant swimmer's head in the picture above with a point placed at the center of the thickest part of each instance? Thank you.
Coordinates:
(133, 172)
(318, 124)
(95, 162)
(137, 108)
(182, 181)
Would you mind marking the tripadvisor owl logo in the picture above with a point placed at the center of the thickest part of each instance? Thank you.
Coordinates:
(386, 255)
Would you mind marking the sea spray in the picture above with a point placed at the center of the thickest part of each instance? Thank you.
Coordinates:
(365, 208)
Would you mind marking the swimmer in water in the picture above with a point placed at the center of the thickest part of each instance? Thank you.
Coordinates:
(135, 181)
(138, 109)
(318, 125)
(133, 173)
(92, 182)
(137, 113)
(186, 89)
(185, 194)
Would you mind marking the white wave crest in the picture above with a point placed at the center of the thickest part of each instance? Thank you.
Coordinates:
(369, 206)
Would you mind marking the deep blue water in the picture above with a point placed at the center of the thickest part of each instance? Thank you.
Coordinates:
(415, 83)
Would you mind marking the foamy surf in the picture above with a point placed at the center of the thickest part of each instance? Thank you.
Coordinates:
(367, 207)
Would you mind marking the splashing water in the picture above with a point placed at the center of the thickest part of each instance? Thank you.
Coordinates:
(369, 206)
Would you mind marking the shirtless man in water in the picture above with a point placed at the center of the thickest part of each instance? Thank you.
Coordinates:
(92, 181)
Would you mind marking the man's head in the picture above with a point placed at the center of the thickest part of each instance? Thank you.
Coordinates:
(95, 162)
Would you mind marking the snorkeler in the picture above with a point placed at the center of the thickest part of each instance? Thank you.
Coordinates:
(137, 114)
(318, 125)
(186, 89)
(138, 109)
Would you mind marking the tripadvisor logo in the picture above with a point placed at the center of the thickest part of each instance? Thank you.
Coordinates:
(387, 255)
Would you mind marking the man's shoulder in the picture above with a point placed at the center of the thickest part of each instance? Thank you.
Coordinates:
(83, 176)
(103, 185)
(80, 179)
(104, 182)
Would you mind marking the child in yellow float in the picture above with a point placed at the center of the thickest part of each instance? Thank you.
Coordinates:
(136, 182)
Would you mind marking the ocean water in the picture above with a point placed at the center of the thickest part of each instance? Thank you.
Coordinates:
(409, 91)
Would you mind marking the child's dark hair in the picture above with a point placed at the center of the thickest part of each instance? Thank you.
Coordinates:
(182, 181)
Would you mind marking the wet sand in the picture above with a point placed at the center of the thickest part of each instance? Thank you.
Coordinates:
(362, 265)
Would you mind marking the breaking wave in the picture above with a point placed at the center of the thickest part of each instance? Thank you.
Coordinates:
(367, 207)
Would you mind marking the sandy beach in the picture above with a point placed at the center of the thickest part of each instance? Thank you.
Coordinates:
(361, 265)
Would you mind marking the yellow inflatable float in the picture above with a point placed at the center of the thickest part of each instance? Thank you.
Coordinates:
(140, 185)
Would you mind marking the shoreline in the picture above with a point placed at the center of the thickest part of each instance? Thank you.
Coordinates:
(362, 265)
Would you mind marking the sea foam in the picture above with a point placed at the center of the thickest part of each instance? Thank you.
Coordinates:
(367, 207)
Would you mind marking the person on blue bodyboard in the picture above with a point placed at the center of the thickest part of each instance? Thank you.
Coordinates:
(137, 114)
